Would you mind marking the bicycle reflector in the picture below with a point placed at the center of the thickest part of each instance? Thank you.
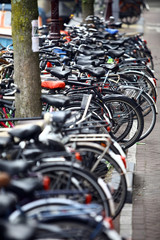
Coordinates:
(46, 183)
(148, 60)
(49, 64)
(103, 144)
(78, 156)
(88, 198)
(155, 82)
(154, 99)
(124, 161)
(145, 42)
(108, 128)
(109, 222)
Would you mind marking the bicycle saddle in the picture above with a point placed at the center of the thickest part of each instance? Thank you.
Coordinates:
(111, 31)
(56, 100)
(115, 53)
(14, 167)
(97, 53)
(25, 133)
(24, 187)
(95, 62)
(51, 84)
(117, 42)
(60, 116)
(108, 46)
(95, 71)
(59, 72)
(84, 57)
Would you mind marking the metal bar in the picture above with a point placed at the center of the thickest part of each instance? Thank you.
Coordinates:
(19, 119)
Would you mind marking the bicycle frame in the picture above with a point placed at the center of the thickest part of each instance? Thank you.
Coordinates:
(8, 124)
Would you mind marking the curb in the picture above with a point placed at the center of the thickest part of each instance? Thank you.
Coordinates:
(125, 221)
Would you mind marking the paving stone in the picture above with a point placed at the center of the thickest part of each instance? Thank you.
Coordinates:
(146, 193)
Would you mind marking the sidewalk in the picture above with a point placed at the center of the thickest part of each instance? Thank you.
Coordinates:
(146, 197)
(141, 219)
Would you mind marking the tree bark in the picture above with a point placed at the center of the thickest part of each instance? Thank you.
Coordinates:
(26, 62)
(87, 8)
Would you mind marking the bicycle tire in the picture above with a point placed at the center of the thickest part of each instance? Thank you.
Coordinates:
(108, 170)
(97, 110)
(71, 227)
(60, 174)
(119, 131)
(141, 80)
(148, 106)
(87, 229)
(125, 112)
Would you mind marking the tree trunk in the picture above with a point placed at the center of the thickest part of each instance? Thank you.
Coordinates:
(87, 8)
(26, 62)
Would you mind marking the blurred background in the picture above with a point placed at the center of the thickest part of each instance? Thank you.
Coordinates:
(75, 11)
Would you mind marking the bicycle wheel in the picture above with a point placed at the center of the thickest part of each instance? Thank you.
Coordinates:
(142, 81)
(147, 105)
(128, 120)
(149, 112)
(72, 229)
(68, 176)
(96, 111)
(108, 169)
(129, 12)
(61, 225)
(150, 64)
(114, 81)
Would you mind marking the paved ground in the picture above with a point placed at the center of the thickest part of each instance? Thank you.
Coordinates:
(141, 220)
(146, 197)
